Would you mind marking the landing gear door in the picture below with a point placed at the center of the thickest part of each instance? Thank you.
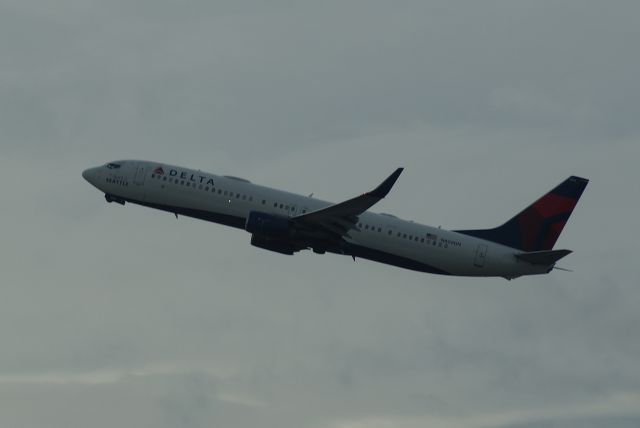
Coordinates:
(481, 256)
(139, 177)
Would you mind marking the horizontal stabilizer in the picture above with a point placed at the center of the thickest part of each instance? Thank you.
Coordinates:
(543, 257)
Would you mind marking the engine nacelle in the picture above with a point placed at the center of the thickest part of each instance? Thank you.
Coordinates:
(271, 244)
(268, 225)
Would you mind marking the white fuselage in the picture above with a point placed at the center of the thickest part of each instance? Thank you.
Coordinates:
(380, 237)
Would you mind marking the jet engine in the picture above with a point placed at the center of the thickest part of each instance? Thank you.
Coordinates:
(278, 245)
(270, 232)
(268, 225)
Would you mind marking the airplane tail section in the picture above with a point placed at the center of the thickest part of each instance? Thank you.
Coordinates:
(538, 226)
(545, 258)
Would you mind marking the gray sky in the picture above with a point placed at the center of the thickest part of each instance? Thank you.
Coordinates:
(113, 316)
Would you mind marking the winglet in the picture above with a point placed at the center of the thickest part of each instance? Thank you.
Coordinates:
(383, 189)
(342, 217)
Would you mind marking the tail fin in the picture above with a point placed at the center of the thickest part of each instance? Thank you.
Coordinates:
(538, 227)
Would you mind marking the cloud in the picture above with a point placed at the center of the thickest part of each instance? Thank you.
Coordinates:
(117, 315)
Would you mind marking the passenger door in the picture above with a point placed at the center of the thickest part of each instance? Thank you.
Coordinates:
(140, 174)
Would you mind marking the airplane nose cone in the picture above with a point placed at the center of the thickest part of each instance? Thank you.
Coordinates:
(91, 175)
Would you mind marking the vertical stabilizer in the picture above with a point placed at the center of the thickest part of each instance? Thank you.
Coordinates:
(538, 226)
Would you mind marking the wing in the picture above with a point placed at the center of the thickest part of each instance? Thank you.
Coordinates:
(338, 219)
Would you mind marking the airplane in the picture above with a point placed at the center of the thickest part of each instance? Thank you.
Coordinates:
(287, 223)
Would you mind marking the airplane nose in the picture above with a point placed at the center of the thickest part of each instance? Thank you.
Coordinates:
(91, 175)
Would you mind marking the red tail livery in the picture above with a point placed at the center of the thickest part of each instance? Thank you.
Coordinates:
(538, 226)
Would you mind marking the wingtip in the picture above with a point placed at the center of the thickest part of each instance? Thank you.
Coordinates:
(385, 187)
(397, 172)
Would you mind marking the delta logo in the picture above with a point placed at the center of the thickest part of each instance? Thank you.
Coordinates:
(158, 171)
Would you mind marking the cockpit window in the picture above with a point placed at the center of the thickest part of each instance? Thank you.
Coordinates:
(113, 165)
